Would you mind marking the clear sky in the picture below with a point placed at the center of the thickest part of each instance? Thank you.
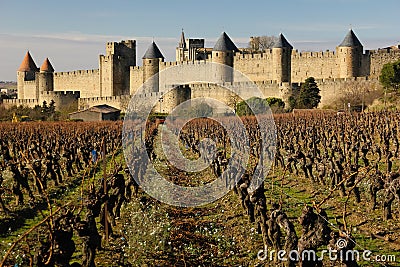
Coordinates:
(73, 33)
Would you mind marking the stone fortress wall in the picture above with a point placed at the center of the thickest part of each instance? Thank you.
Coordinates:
(274, 71)
(62, 99)
(320, 65)
(85, 81)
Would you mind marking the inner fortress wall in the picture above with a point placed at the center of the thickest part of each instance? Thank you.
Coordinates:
(136, 79)
(378, 58)
(320, 65)
(119, 102)
(256, 66)
(335, 91)
(31, 89)
(85, 81)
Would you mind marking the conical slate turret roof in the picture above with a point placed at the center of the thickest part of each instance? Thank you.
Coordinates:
(224, 43)
(28, 64)
(46, 66)
(153, 52)
(282, 43)
(350, 40)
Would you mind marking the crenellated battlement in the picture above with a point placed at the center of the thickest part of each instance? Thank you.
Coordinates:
(20, 102)
(388, 50)
(264, 55)
(77, 72)
(175, 63)
(320, 54)
(30, 82)
(60, 93)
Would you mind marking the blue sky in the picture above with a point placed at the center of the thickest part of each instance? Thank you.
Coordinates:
(73, 33)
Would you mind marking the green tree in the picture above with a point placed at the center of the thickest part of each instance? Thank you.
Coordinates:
(242, 109)
(307, 97)
(259, 106)
(52, 107)
(293, 100)
(276, 104)
(390, 75)
(202, 110)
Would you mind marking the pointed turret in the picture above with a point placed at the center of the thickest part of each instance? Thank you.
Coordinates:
(282, 58)
(46, 66)
(153, 52)
(349, 56)
(351, 40)
(28, 64)
(182, 42)
(46, 79)
(282, 42)
(224, 44)
(151, 67)
(26, 72)
(223, 53)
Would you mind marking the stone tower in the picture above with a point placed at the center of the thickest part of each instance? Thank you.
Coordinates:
(223, 53)
(151, 67)
(46, 77)
(27, 73)
(190, 49)
(114, 67)
(349, 54)
(282, 60)
(180, 50)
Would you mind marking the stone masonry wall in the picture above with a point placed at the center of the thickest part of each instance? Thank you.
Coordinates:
(119, 102)
(85, 81)
(136, 79)
(320, 65)
(31, 89)
(31, 103)
(380, 58)
(332, 90)
(257, 66)
(62, 100)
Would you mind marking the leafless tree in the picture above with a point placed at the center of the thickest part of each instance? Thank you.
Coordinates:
(358, 93)
(233, 100)
(260, 43)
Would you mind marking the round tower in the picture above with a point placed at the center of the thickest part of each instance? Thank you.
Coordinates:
(282, 60)
(349, 54)
(46, 77)
(151, 67)
(26, 72)
(223, 53)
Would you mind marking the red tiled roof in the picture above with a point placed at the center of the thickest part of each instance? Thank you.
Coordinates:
(46, 66)
(28, 64)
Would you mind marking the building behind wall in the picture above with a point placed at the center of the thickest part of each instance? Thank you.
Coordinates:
(96, 113)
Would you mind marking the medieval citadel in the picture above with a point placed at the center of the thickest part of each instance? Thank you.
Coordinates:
(275, 71)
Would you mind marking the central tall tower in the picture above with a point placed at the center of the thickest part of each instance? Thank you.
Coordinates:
(114, 68)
